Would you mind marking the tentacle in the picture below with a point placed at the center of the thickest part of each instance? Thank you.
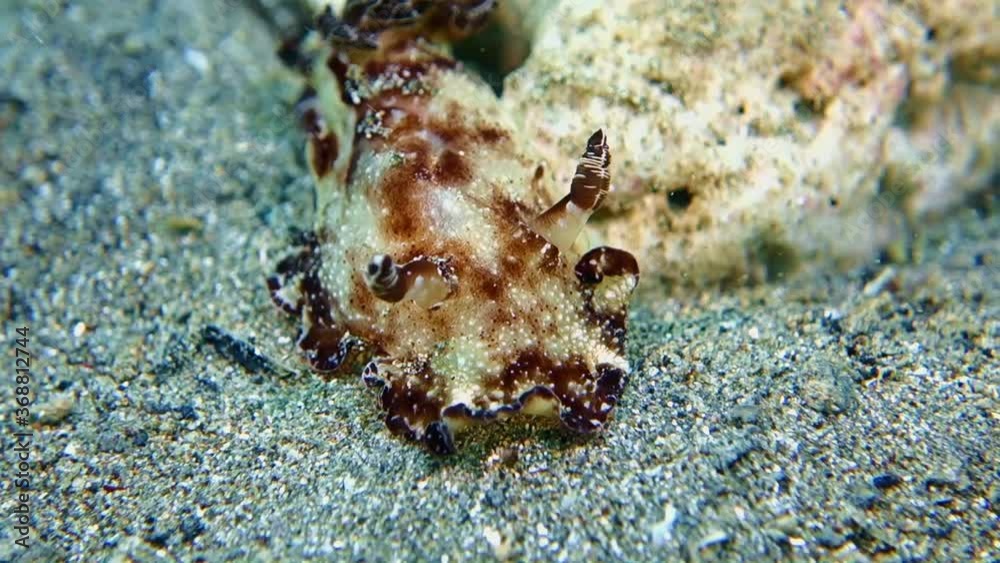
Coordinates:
(426, 281)
(562, 222)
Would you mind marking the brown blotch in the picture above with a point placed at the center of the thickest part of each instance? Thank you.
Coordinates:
(361, 298)
(402, 191)
(338, 63)
(607, 389)
(452, 168)
(405, 127)
(455, 131)
(523, 369)
(491, 135)
(490, 286)
(408, 68)
(326, 344)
(324, 145)
(451, 131)
(324, 153)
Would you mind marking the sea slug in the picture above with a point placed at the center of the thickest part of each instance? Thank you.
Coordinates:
(437, 260)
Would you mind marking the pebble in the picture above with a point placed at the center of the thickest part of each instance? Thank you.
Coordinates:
(56, 410)
(187, 412)
(864, 497)
(830, 539)
(714, 537)
(881, 281)
(886, 481)
(499, 545)
(191, 527)
(663, 531)
(140, 438)
(828, 388)
(183, 224)
(197, 60)
(34, 175)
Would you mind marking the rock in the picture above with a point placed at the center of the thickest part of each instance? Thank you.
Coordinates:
(755, 139)
(112, 442)
(714, 537)
(237, 350)
(499, 544)
(886, 481)
(829, 538)
(140, 438)
(662, 532)
(187, 412)
(56, 410)
(828, 388)
(191, 527)
(864, 497)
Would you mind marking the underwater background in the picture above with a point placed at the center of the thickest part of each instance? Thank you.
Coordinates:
(810, 189)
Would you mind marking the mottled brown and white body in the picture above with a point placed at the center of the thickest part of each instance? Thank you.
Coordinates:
(437, 258)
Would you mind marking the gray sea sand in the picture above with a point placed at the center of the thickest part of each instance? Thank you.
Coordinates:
(150, 175)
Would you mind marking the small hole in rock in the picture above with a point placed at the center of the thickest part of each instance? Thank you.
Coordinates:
(679, 199)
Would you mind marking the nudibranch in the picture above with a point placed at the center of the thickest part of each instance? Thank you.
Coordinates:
(438, 261)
